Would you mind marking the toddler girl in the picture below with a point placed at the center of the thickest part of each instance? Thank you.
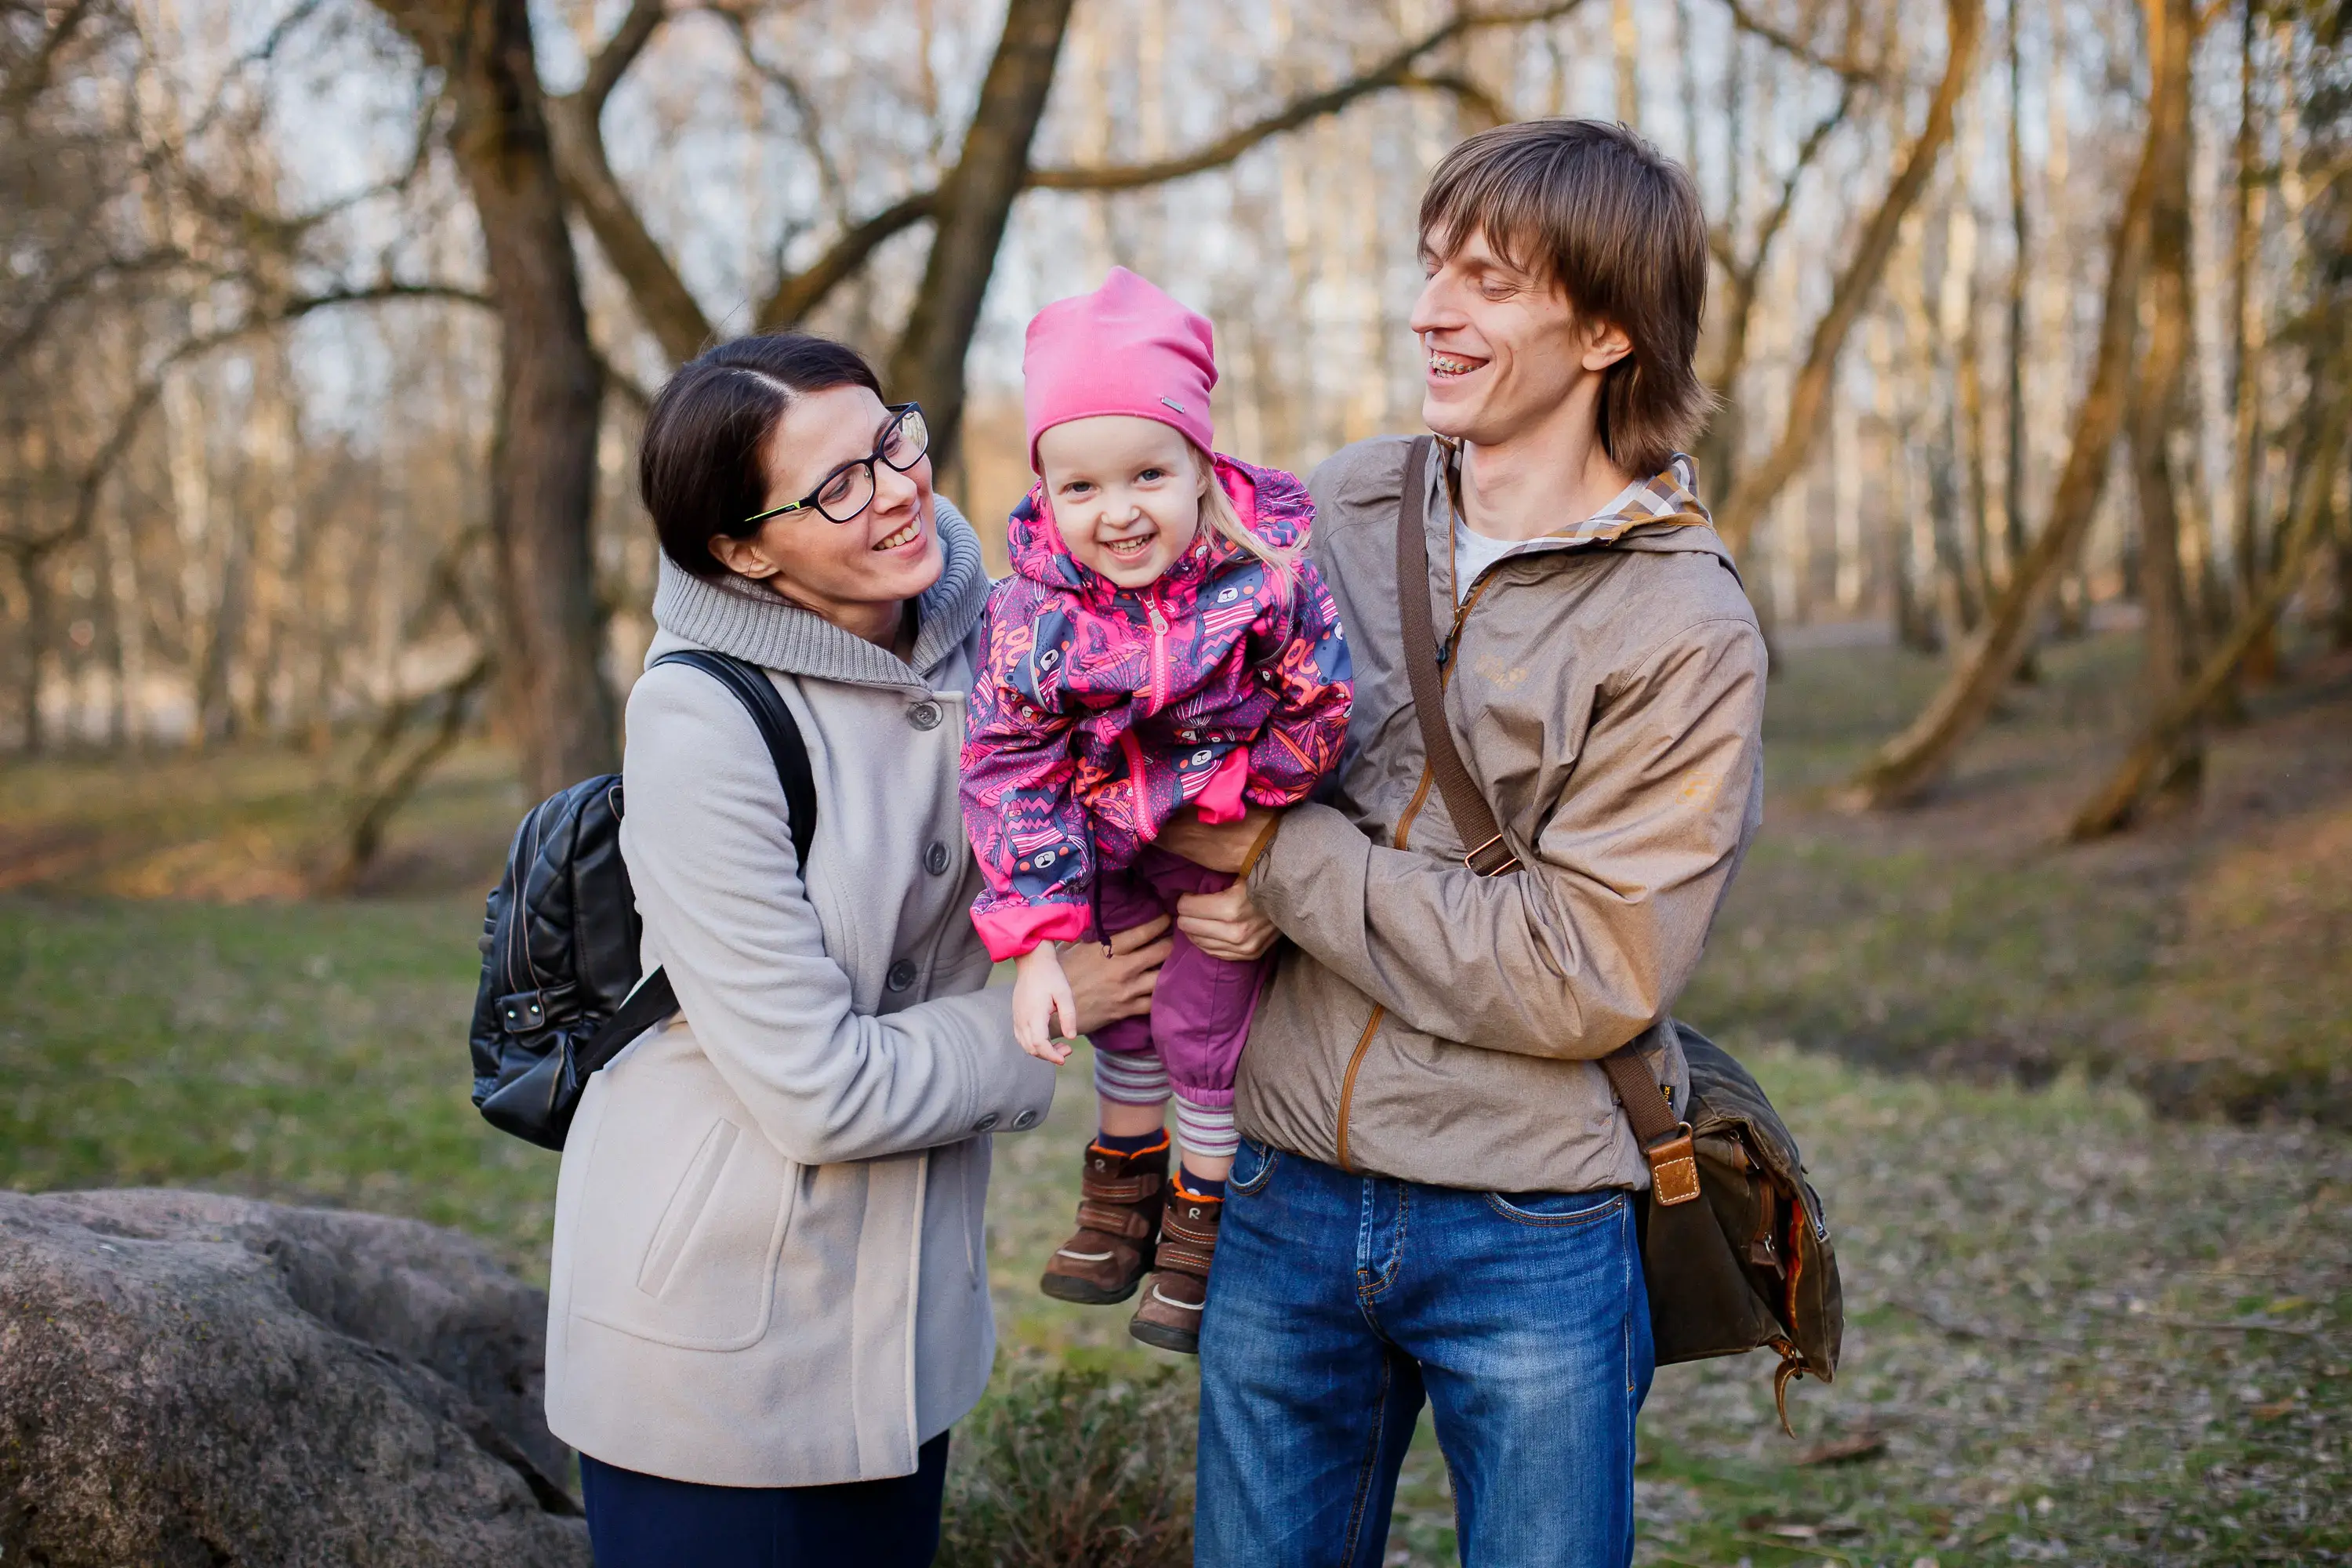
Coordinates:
(1162, 643)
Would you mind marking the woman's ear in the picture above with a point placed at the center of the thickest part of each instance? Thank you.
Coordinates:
(742, 556)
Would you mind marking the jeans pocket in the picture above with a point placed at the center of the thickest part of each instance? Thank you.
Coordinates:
(1556, 1210)
(1254, 1164)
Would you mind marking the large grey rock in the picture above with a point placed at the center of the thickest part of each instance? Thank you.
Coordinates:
(192, 1379)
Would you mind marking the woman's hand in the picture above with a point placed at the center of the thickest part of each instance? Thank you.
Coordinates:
(1220, 848)
(1226, 925)
(1041, 994)
(1116, 984)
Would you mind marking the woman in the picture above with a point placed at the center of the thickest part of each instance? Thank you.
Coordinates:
(768, 1300)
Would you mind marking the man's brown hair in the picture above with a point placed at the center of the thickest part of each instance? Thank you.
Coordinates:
(1616, 223)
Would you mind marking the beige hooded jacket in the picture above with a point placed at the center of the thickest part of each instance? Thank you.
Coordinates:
(1606, 684)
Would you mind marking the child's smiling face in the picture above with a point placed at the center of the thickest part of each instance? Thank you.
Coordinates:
(1125, 492)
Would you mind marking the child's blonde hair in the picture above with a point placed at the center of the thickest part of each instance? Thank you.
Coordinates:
(1217, 512)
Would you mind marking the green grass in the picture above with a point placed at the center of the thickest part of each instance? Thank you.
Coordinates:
(315, 1052)
(2023, 1266)
(2076, 1329)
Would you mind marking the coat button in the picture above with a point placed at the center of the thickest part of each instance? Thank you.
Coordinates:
(924, 715)
(986, 1123)
(1026, 1121)
(901, 975)
(935, 858)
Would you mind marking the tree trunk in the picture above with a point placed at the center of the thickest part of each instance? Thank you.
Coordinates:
(225, 623)
(128, 611)
(1626, 40)
(1955, 600)
(32, 571)
(544, 454)
(2171, 727)
(1809, 392)
(972, 209)
(2012, 487)
(2247, 446)
(2168, 647)
(1911, 760)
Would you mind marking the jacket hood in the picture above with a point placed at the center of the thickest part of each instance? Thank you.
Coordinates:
(1665, 517)
(1272, 504)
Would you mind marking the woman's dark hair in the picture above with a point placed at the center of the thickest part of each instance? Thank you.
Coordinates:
(702, 465)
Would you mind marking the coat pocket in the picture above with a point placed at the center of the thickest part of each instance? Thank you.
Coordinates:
(685, 1206)
(681, 1223)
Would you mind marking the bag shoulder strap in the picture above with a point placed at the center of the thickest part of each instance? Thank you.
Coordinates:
(1465, 803)
(655, 999)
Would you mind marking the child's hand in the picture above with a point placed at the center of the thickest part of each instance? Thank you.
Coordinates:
(1041, 997)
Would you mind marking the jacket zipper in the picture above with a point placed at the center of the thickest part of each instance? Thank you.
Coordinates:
(1404, 827)
(1158, 693)
(1444, 678)
(1134, 750)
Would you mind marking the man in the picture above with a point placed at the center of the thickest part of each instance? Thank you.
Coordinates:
(1436, 1195)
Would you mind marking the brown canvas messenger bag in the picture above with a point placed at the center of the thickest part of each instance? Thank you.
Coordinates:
(1734, 1249)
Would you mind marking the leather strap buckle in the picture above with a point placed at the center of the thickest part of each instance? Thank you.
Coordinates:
(1673, 1167)
(1510, 861)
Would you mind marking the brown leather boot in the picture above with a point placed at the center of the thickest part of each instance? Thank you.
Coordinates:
(1170, 1316)
(1118, 1221)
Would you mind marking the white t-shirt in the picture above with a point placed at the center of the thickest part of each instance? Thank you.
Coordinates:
(1474, 552)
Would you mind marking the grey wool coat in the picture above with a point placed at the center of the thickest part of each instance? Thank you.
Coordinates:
(769, 1266)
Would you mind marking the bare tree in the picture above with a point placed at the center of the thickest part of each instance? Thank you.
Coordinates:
(2170, 651)
(2172, 727)
(1857, 281)
(543, 461)
(1911, 760)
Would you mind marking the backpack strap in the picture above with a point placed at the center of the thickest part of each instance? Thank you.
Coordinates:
(1666, 1140)
(655, 999)
(752, 688)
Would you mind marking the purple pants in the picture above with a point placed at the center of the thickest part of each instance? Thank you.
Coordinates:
(1201, 1011)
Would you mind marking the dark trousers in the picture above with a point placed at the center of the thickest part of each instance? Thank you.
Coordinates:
(646, 1521)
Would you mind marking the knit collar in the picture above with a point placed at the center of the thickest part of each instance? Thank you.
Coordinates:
(753, 622)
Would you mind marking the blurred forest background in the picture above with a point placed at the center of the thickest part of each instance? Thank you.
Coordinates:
(327, 329)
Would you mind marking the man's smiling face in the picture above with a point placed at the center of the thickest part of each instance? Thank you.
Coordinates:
(1501, 343)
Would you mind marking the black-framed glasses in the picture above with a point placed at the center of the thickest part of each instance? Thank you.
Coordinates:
(848, 491)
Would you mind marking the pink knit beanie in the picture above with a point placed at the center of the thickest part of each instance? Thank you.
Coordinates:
(1126, 348)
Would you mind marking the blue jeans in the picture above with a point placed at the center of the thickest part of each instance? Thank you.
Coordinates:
(1340, 1302)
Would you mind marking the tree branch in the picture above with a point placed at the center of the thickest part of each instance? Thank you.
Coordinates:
(662, 298)
(93, 479)
(667, 305)
(1856, 282)
(1490, 110)
(1742, 275)
(620, 52)
(1396, 71)
(828, 173)
(2118, 801)
(800, 293)
(31, 79)
(1855, 72)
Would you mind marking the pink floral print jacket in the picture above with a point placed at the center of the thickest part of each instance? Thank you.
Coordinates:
(1098, 712)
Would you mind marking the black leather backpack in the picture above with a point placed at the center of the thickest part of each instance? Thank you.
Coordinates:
(560, 994)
